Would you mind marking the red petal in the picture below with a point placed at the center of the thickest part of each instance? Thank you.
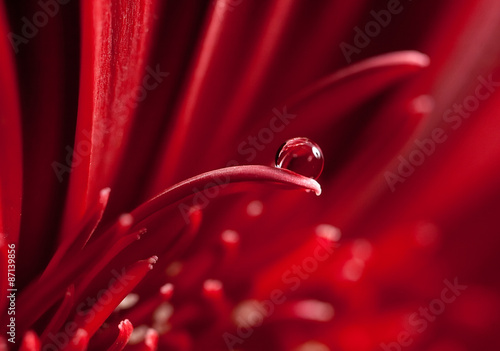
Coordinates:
(118, 290)
(32, 297)
(257, 43)
(150, 342)
(88, 225)
(126, 329)
(79, 341)
(223, 177)
(115, 43)
(62, 313)
(30, 342)
(322, 105)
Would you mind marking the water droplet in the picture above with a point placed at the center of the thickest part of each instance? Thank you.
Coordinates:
(302, 156)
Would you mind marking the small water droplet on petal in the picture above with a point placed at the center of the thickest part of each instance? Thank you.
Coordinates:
(302, 156)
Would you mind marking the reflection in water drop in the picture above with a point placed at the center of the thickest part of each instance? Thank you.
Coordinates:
(302, 156)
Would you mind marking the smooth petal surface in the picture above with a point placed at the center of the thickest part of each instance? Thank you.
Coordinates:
(115, 45)
(224, 177)
(125, 330)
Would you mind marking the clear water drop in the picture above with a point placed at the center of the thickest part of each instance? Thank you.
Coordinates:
(302, 156)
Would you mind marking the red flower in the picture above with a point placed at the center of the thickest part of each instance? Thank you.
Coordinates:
(139, 203)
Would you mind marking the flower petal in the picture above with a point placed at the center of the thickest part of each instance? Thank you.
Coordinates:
(79, 341)
(61, 314)
(114, 47)
(223, 177)
(30, 342)
(118, 289)
(258, 43)
(125, 330)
